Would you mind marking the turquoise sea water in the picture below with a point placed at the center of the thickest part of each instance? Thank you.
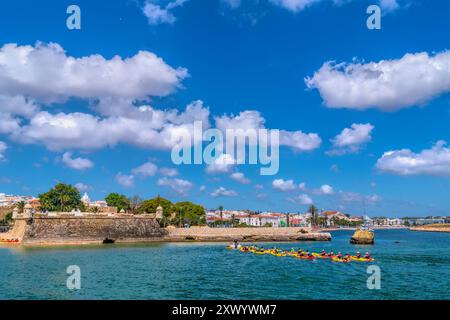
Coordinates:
(414, 265)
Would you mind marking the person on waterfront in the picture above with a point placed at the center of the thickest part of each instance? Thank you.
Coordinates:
(236, 244)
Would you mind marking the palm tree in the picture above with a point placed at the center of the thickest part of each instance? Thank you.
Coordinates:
(313, 210)
(221, 213)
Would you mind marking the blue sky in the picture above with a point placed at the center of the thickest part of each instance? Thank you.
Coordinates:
(370, 132)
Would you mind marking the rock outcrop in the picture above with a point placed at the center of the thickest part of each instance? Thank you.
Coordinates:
(363, 237)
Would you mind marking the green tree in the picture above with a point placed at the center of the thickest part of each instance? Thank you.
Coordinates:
(189, 213)
(118, 200)
(20, 206)
(149, 206)
(62, 197)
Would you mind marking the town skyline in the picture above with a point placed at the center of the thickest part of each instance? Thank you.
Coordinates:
(360, 131)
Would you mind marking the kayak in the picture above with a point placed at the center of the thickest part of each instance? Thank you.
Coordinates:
(336, 259)
(259, 252)
(306, 257)
(320, 256)
(362, 259)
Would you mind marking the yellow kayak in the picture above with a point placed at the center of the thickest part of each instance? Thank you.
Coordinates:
(362, 259)
(336, 259)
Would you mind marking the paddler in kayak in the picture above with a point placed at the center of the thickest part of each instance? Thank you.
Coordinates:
(339, 255)
(323, 253)
(367, 256)
(331, 254)
(358, 255)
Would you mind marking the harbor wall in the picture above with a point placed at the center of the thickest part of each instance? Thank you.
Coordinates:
(92, 228)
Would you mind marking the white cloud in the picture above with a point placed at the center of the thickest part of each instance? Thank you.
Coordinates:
(158, 15)
(169, 172)
(76, 163)
(251, 120)
(17, 105)
(240, 177)
(124, 180)
(389, 5)
(294, 5)
(8, 123)
(351, 140)
(434, 161)
(82, 187)
(223, 164)
(302, 199)
(3, 148)
(388, 85)
(347, 196)
(300, 141)
(202, 188)
(147, 169)
(47, 74)
(284, 185)
(154, 129)
(179, 186)
(223, 192)
(326, 190)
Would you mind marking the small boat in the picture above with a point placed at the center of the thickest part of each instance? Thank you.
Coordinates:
(108, 241)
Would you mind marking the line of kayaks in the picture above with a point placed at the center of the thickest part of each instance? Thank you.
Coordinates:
(302, 254)
(9, 240)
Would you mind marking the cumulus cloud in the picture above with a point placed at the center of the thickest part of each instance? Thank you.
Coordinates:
(147, 169)
(157, 14)
(326, 190)
(82, 187)
(433, 162)
(125, 180)
(76, 163)
(389, 5)
(240, 177)
(222, 164)
(388, 85)
(302, 199)
(169, 172)
(179, 186)
(45, 72)
(152, 130)
(223, 192)
(251, 120)
(284, 185)
(294, 5)
(352, 139)
(348, 196)
(3, 148)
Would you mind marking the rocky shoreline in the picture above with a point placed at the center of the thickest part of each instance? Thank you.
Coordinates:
(48, 231)
(432, 228)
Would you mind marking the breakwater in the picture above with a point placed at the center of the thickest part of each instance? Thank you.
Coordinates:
(245, 234)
